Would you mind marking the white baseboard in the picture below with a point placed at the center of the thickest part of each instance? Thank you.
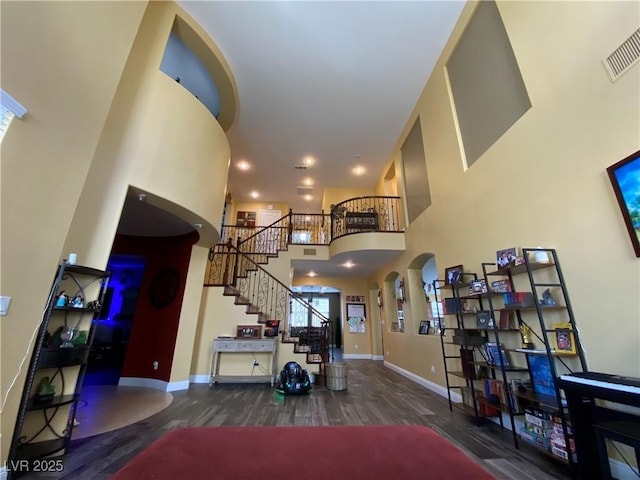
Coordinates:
(356, 356)
(377, 357)
(175, 386)
(434, 387)
(199, 378)
(154, 383)
(143, 382)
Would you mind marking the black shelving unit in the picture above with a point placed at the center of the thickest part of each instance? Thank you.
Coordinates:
(540, 303)
(455, 332)
(45, 422)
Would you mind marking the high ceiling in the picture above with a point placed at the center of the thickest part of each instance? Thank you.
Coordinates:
(329, 79)
(333, 80)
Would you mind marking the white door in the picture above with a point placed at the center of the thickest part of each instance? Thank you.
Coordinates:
(269, 241)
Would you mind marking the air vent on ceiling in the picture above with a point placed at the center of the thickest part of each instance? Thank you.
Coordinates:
(300, 167)
(624, 57)
(309, 251)
(305, 190)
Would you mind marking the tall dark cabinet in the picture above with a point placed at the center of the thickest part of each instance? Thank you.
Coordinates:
(46, 415)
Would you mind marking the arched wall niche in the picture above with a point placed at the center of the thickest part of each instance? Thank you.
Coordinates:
(218, 71)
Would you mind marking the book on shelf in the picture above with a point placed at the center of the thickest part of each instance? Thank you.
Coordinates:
(501, 286)
(483, 319)
(477, 286)
(495, 353)
(541, 375)
(505, 319)
(452, 305)
(519, 300)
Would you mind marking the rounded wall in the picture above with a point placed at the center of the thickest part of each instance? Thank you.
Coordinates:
(157, 138)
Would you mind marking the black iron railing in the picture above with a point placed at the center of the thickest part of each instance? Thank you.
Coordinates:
(365, 214)
(267, 297)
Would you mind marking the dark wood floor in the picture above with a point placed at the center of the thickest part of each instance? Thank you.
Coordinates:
(375, 395)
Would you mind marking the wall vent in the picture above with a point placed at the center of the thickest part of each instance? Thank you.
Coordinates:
(624, 57)
(305, 190)
(309, 251)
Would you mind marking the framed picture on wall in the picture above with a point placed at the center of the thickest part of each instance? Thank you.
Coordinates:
(625, 179)
(424, 327)
(356, 311)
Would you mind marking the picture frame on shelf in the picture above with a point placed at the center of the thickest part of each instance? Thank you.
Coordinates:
(625, 179)
(453, 275)
(506, 257)
(249, 331)
(424, 327)
(245, 219)
(564, 339)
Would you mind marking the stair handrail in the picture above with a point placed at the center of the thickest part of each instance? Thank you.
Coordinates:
(253, 239)
(256, 266)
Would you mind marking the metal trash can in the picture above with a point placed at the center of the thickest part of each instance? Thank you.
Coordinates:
(336, 375)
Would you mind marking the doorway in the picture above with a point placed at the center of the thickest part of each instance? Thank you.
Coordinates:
(112, 329)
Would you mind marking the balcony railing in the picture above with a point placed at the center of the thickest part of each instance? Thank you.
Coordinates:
(365, 214)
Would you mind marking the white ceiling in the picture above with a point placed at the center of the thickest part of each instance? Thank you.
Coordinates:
(332, 79)
(335, 80)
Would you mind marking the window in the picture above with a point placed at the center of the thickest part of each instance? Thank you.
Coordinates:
(9, 109)
(303, 317)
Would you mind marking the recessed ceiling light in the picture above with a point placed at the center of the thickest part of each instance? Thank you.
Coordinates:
(358, 170)
(308, 197)
(197, 225)
(308, 160)
(254, 194)
(348, 264)
(311, 273)
(243, 165)
(307, 181)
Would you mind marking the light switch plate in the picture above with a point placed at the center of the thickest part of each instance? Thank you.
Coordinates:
(4, 305)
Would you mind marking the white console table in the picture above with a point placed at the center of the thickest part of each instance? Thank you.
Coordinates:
(241, 345)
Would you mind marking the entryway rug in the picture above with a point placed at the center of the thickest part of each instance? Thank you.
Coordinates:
(371, 452)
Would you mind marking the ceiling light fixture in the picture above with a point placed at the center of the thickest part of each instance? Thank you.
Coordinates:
(307, 181)
(309, 160)
(312, 273)
(348, 264)
(254, 194)
(142, 197)
(197, 225)
(243, 165)
(358, 170)
(308, 198)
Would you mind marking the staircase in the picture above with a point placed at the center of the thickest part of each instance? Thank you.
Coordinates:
(238, 270)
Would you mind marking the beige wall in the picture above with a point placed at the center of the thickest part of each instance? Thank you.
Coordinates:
(88, 74)
(47, 154)
(256, 207)
(544, 182)
(333, 196)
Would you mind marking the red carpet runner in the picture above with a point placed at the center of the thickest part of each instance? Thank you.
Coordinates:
(372, 452)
